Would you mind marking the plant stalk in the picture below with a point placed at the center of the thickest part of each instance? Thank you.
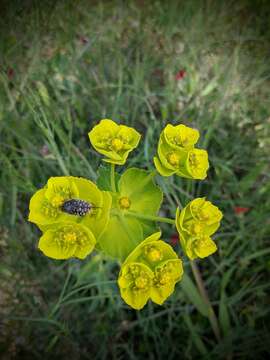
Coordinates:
(113, 186)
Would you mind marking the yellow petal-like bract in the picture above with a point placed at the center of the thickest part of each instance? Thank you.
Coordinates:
(176, 153)
(114, 141)
(67, 240)
(195, 224)
(149, 272)
(46, 204)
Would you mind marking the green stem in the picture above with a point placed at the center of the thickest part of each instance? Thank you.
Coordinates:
(211, 314)
(150, 217)
(113, 186)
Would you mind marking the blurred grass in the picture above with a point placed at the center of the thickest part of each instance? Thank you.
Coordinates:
(66, 65)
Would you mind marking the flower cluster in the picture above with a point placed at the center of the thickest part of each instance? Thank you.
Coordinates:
(118, 214)
(149, 272)
(196, 223)
(65, 233)
(114, 141)
(176, 153)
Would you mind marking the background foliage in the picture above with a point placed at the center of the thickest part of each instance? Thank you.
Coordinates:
(64, 66)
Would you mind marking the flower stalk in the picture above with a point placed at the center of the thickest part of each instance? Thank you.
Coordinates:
(113, 185)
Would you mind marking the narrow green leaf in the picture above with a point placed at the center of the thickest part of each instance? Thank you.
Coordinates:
(223, 315)
(193, 295)
(195, 336)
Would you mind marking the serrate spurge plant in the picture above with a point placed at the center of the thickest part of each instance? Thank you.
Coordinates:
(119, 214)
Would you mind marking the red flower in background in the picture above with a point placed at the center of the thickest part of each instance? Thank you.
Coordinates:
(10, 73)
(174, 239)
(180, 74)
(241, 210)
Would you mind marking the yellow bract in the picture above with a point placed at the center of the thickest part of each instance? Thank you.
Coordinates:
(196, 223)
(176, 153)
(46, 204)
(68, 235)
(181, 136)
(67, 240)
(149, 272)
(114, 141)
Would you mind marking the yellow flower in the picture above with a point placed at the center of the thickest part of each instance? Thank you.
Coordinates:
(170, 160)
(176, 153)
(114, 141)
(197, 164)
(200, 246)
(180, 136)
(196, 223)
(149, 272)
(47, 204)
(166, 275)
(135, 281)
(67, 240)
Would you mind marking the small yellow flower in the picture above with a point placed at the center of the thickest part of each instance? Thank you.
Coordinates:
(153, 253)
(67, 240)
(165, 277)
(201, 246)
(196, 223)
(135, 280)
(205, 211)
(124, 202)
(46, 205)
(170, 160)
(197, 164)
(149, 272)
(176, 153)
(181, 136)
(114, 141)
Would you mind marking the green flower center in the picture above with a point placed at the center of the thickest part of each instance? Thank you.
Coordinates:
(68, 236)
(165, 278)
(197, 228)
(153, 254)
(117, 144)
(141, 282)
(124, 203)
(173, 158)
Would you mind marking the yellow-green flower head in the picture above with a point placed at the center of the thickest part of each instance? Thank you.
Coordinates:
(187, 162)
(200, 246)
(67, 240)
(149, 272)
(196, 223)
(114, 141)
(46, 205)
(135, 281)
(197, 164)
(180, 136)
